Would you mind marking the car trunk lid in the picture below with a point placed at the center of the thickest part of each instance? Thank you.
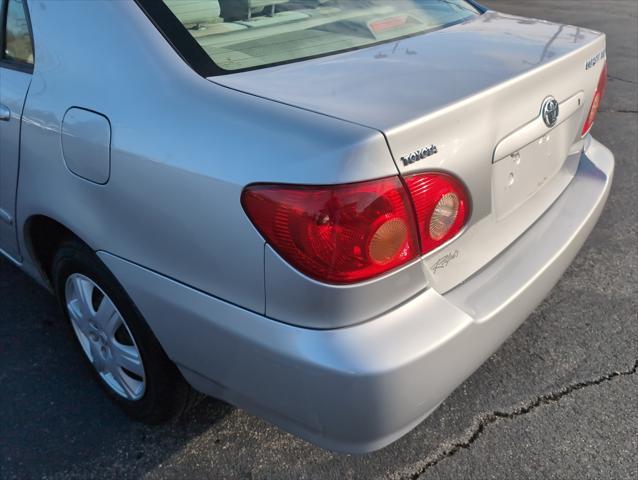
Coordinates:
(475, 91)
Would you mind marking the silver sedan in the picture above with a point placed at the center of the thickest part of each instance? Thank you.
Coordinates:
(326, 212)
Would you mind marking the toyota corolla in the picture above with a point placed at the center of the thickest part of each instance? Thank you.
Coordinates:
(326, 212)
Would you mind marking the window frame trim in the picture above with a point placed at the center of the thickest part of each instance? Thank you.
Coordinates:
(178, 37)
(7, 62)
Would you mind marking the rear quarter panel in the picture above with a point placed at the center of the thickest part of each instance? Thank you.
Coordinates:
(182, 150)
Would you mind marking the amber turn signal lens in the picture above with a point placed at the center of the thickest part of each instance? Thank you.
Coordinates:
(388, 240)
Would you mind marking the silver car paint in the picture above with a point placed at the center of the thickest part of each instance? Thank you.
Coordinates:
(462, 89)
(86, 144)
(170, 226)
(203, 143)
(359, 388)
(13, 89)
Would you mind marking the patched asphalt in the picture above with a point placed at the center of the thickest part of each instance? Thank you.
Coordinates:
(558, 400)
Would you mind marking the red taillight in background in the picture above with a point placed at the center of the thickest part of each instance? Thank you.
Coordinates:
(442, 207)
(350, 233)
(379, 26)
(595, 104)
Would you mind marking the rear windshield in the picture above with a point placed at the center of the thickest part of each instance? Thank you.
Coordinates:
(246, 34)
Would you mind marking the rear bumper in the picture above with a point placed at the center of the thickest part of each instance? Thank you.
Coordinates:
(358, 389)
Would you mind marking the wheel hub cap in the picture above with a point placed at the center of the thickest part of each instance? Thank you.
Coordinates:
(105, 337)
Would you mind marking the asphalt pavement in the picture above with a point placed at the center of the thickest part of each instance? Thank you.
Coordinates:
(558, 400)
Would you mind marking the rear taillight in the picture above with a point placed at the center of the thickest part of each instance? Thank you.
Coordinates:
(350, 233)
(336, 234)
(595, 104)
(442, 207)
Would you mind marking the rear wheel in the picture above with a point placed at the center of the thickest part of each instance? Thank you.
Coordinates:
(123, 353)
(105, 337)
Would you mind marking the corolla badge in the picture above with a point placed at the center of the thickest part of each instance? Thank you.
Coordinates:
(444, 261)
(593, 61)
(550, 111)
(419, 155)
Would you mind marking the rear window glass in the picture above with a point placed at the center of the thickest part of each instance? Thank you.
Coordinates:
(244, 34)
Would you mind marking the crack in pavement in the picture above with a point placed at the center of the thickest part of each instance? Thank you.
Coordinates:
(622, 79)
(611, 110)
(449, 449)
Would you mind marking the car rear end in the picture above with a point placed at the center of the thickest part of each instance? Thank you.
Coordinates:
(359, 388)
(462, 111)
(383, 295)
(514, 162)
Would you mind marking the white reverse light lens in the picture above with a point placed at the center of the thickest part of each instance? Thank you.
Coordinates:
(444, 216)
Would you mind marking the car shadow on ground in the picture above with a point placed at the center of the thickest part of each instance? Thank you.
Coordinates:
(56, 393)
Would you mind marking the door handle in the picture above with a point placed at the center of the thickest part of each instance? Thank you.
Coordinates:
(5, 113)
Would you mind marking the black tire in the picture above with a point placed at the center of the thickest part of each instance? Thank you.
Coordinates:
(166, 395)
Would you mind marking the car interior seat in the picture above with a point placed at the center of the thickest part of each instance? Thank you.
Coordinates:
(201, 17)
(246, 9)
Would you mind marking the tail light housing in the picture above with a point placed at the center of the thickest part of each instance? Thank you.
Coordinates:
(595, 104)
(441, 204)
(349, 233)
(336, 234)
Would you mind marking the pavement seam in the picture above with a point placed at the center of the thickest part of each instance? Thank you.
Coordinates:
(449, 449)
(622, 79)
(611, 110)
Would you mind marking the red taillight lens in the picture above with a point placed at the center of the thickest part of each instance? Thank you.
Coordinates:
(595, 104)
(442, 207)
(336, 234)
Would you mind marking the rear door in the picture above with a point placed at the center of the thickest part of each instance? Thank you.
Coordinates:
(16, 69)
